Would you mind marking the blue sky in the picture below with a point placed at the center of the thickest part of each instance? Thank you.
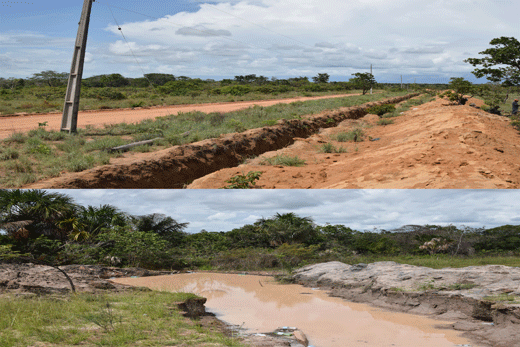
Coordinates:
(223, 210)
(424, 40)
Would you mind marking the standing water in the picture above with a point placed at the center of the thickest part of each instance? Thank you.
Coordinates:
(259, 304)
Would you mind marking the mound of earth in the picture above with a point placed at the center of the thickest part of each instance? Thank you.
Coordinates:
(434, 145)
(42, 279)
(483, 300)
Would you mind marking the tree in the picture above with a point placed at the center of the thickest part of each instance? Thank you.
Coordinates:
(114, 80)
(321, 78)
(500, 63)
(96, 219)
(27, 214)
(459, 88)
(51, 78)
(363, 81)
(159, 79)
(164, 226)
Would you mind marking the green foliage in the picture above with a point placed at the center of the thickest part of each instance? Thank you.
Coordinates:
(233, 90)
(363, 81)
(243, 181)
(283, 160)
(108, 94)
(136, 248)
(330, 148)
(381, 109)
(356, 135)
(385, 121)
(321, 78)
(501, 239)
(460, 87)
(500, 63)
(8, 153)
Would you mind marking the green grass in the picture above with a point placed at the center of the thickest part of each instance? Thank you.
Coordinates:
(283, 160)
(330, 148)
(385, 121)
(134, 318)
(355, 135)
(46, 154)
(503, 298)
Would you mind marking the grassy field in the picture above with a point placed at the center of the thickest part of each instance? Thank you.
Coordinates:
(47, 99)
(133, 318)
(40, 154)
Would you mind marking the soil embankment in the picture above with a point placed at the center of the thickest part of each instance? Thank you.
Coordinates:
(434, 145)
(177, 166)
(462, 295)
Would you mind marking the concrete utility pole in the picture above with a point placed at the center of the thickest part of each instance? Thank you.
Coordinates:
(70, 109)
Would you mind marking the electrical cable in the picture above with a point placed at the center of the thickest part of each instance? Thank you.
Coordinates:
(130, 48)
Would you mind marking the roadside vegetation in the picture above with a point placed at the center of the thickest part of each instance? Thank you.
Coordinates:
(132, 318)
(49, 228)
(40, 154)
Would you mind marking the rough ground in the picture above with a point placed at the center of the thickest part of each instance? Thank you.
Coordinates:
(454, 294)
(434, 145)
(31, 279)
(96, 118)
(179, 165)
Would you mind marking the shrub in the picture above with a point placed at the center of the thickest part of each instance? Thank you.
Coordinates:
(330, 148)
(283, 160)
(243, 181)
(381, 109)
(356, 135)
(385, 121)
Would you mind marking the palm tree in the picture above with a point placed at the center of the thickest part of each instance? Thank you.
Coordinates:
(164, 226)
(104, 217)
(27, 214)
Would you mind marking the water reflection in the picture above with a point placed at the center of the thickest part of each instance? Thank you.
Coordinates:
(262, 305)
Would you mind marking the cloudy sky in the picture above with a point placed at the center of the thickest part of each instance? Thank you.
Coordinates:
(426, 40)
(223, 210)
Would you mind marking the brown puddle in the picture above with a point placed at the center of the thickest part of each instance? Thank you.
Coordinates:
(261, 305)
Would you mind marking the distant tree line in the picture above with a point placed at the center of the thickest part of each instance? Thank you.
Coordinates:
(49, 227)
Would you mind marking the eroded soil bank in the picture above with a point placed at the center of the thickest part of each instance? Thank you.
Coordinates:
(177, 166)
(434, 145)
(258, 304)
(461, 295)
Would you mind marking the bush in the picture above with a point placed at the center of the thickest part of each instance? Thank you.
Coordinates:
(381, 109)
(356, 135)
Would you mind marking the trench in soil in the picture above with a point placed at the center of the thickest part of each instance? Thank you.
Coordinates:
(260, 305)
(178, 166)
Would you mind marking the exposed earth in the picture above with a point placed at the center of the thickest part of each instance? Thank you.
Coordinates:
(484, 301)
(434, 145)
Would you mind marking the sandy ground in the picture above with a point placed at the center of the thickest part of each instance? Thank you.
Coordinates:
(24, 123)
(434, 145)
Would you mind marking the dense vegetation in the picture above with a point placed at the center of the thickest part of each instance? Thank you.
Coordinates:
(48, 227)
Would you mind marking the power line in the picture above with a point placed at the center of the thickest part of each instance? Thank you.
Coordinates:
(182, 26)
(129, 47)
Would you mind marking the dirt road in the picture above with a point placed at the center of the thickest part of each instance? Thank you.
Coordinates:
(24, 123)
(434, 145)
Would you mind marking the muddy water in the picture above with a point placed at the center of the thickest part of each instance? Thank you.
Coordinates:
(260, 304)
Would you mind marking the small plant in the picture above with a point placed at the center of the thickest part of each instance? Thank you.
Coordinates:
(246, 181)
(385, 121)
(104, 319)
(356, 135)
(44, 124)
(283, 160)
(381, 109)
(137, 104)
(8, 153)
(330, 148)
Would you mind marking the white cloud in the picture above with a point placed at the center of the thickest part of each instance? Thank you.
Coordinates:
(294, 37)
